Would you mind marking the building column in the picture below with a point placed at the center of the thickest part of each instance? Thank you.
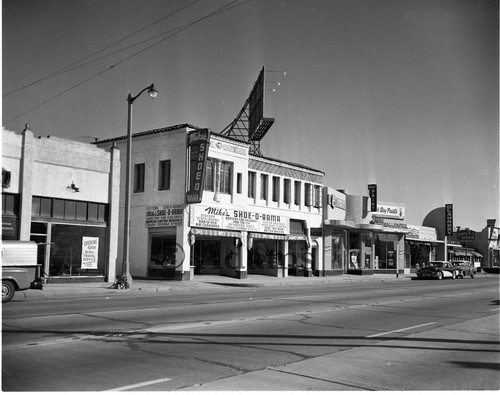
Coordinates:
(26, 184)
(242, 271)
(114, 210)
(287, 258)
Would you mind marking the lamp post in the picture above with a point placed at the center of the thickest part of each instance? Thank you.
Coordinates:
(126, 279)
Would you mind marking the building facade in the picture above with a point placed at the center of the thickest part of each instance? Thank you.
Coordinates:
(358, 241)
(64, 195)
(202, 204)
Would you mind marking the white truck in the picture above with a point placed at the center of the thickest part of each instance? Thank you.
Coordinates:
(20, 270)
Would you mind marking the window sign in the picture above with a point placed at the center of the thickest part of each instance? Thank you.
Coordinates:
(90, 249)
(169, 215)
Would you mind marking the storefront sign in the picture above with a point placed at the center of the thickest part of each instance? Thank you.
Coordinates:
(448, 210)
(170, 215)
(372, 191)
(466, 235)
(422, 233)
(388, 210)
(229, 148)
(227, 218)
(494, 238)
(198, 143)
(90, 249)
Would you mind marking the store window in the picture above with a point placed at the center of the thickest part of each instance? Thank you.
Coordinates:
(10, 216)
(63, 209)
(263, 254)
(337, 250)
(385, 251)
(162, 254)
(67, 244)
(206, 256)
(139, 177)
(419, 254)
(367, 250)
(164, 175)
(297, 255)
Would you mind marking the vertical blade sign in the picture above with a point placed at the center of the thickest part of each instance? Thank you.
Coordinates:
(372, 190)
(448, 220)
(198, 143)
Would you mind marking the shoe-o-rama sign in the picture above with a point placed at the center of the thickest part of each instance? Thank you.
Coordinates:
(198, 143)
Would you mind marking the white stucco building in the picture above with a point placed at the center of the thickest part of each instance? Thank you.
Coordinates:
(255, 215)
(63, 194)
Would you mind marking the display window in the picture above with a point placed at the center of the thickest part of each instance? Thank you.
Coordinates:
(385, 251)
(337, 251)
(77, 250)
(206, 256)
(262, 255)
(297, 254)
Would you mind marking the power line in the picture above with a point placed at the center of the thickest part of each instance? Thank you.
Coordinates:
(69, 67)
(222, 9)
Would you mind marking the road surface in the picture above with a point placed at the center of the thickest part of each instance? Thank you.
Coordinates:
(394, 335)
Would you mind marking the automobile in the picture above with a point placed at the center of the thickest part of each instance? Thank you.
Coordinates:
(439, 270)
(466, 268)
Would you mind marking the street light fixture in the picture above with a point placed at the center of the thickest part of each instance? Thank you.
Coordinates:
(126, 279)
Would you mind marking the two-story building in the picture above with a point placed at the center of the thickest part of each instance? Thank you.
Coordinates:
(201, 203)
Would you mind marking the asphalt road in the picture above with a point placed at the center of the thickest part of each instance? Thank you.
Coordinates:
(411, 335)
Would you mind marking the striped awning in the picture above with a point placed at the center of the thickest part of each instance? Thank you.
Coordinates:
(215, 232)
(268, 236)
(271, 236)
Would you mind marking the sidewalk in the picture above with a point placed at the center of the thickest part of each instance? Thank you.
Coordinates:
(205, 283)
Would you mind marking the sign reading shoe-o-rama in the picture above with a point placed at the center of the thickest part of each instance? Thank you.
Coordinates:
(198, 143)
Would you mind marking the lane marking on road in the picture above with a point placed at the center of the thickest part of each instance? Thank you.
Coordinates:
(138, 385)
(498, 308)
(400, 330)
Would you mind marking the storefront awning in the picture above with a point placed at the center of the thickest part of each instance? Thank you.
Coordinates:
(268, 236)
(215, 232)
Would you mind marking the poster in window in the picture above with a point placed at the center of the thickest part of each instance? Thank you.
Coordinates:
(90, 249)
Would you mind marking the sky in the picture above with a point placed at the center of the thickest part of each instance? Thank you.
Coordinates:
(398, 93)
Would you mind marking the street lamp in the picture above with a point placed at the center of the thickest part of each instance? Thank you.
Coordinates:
(126, 279)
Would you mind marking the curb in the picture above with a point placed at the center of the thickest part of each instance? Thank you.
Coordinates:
(149, 286)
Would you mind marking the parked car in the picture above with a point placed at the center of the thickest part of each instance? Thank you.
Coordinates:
(466, 268)
(439, 270)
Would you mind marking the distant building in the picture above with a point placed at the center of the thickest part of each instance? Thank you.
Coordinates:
(228, 212)
(63, 194)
